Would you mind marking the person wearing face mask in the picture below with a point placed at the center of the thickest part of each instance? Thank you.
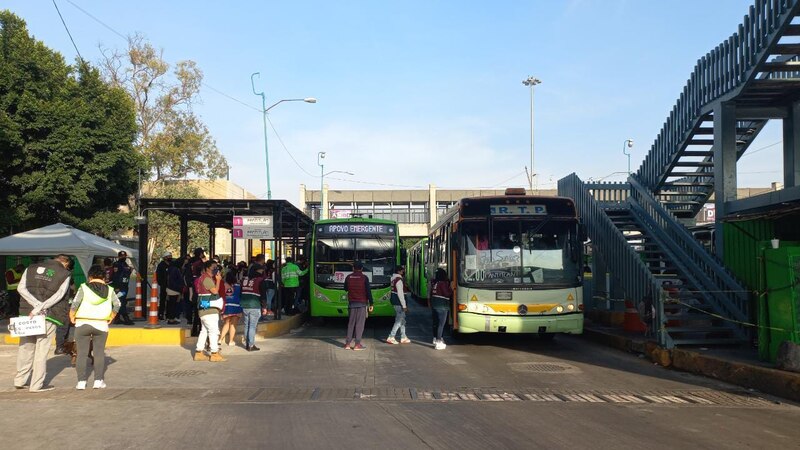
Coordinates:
(122, 270)
(208, 289)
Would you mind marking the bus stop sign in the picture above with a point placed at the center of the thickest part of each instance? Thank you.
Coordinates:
(253, 227)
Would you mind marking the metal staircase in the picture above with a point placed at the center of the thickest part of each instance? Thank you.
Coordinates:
(639, 234)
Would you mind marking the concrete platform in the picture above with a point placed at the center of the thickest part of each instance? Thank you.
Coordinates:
(738, 368)
(138, 334)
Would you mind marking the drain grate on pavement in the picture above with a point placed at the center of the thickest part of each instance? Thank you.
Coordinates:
(544, 367)
(183, 373)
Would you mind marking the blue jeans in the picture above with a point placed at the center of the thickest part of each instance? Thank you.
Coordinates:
(270, 297)
(251, 316)
(439, 321)
(399, 322)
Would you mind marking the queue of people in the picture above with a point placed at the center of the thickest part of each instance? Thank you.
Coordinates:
(204, 290)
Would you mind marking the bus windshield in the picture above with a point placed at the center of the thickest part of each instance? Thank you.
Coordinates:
(335, 255)
(528, 252)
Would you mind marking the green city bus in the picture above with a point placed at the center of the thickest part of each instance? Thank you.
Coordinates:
(335, 245)
(415, 269)
(515, 261)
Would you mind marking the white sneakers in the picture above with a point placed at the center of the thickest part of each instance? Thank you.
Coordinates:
(392, 340)
(98, 384)
(439, 344)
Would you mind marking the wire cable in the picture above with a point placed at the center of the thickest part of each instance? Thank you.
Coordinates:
(98, 20)
(68, 33)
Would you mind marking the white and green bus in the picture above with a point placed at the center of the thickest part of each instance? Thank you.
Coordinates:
(335, 245)
(516, 262)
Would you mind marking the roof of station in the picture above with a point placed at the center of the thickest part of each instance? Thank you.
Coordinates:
(219, 212)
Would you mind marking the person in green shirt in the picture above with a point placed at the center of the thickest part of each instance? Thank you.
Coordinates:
(290, 279)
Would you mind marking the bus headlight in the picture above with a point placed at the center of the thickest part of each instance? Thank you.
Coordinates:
(559, 309)
(571, 307)
(462, 307)
(321, 297)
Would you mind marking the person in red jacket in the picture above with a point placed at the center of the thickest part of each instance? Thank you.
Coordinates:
(359, 297)
(441, 295)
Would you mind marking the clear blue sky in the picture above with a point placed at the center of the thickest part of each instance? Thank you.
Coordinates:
(416, 91)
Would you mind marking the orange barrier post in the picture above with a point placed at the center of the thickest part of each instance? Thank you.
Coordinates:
(137, 312)
(632, 321)
(152, 307)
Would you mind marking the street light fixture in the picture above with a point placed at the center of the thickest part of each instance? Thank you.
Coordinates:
(264, 111)
(626, 145)
(322, 175)
(531, 82)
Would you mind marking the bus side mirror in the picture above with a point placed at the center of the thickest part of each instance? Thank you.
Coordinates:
(403, 256)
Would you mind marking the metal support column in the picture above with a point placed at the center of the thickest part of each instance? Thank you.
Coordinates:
(277, 227)
(295, 238)
(212, 238)
(724, 165)
(184, 231)
(791, 147)
(233, 248)
(143, 238)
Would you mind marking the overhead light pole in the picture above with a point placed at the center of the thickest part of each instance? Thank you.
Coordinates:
(531, 82)
(625, 146)
(322, 175)
(264, 111)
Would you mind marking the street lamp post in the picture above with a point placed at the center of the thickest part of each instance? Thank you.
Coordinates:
(531, 82)
(626, 145)
(322, 175)
(320, 157)
(264, 111)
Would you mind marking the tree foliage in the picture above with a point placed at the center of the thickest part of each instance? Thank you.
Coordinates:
(65, 135)
(174, 141)
(164, 228)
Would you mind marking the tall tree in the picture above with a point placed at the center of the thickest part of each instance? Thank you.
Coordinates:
(164, 228)
(174, 141)
(65, 135)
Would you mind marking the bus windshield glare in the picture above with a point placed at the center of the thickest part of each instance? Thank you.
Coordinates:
(335, 255)
(527, 252)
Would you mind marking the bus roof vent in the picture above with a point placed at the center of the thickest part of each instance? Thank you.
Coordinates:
(515, 191)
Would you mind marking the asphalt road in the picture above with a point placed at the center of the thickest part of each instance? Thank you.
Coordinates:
(304, 391)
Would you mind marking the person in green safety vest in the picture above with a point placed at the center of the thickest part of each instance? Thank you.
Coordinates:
(13, 276)
(290, 279)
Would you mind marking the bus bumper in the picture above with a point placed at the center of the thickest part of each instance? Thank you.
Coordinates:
(477, 323)
(323, 309)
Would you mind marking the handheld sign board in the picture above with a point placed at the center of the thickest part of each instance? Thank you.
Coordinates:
(26, 326)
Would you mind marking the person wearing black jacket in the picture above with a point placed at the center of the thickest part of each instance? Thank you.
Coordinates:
(175, 287)
(161, 278)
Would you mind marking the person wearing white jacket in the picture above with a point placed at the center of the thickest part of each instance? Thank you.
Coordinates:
(398, 300)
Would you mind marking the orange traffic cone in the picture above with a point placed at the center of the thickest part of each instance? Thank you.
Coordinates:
(632, 321)
(152, 307)
(137, 312)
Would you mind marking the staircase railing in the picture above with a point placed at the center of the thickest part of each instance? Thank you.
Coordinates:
(724, 69)
(620, 258)
(729, 296)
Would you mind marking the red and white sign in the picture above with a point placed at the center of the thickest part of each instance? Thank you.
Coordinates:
(252, 227)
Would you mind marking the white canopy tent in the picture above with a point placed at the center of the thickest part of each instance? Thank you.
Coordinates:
(59, 238)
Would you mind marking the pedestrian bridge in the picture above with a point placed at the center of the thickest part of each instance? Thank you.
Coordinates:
(638, 228)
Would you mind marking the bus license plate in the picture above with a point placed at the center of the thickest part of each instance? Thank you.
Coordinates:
(503, 295)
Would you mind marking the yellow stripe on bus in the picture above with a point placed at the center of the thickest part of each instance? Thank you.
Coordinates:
(512, 308)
